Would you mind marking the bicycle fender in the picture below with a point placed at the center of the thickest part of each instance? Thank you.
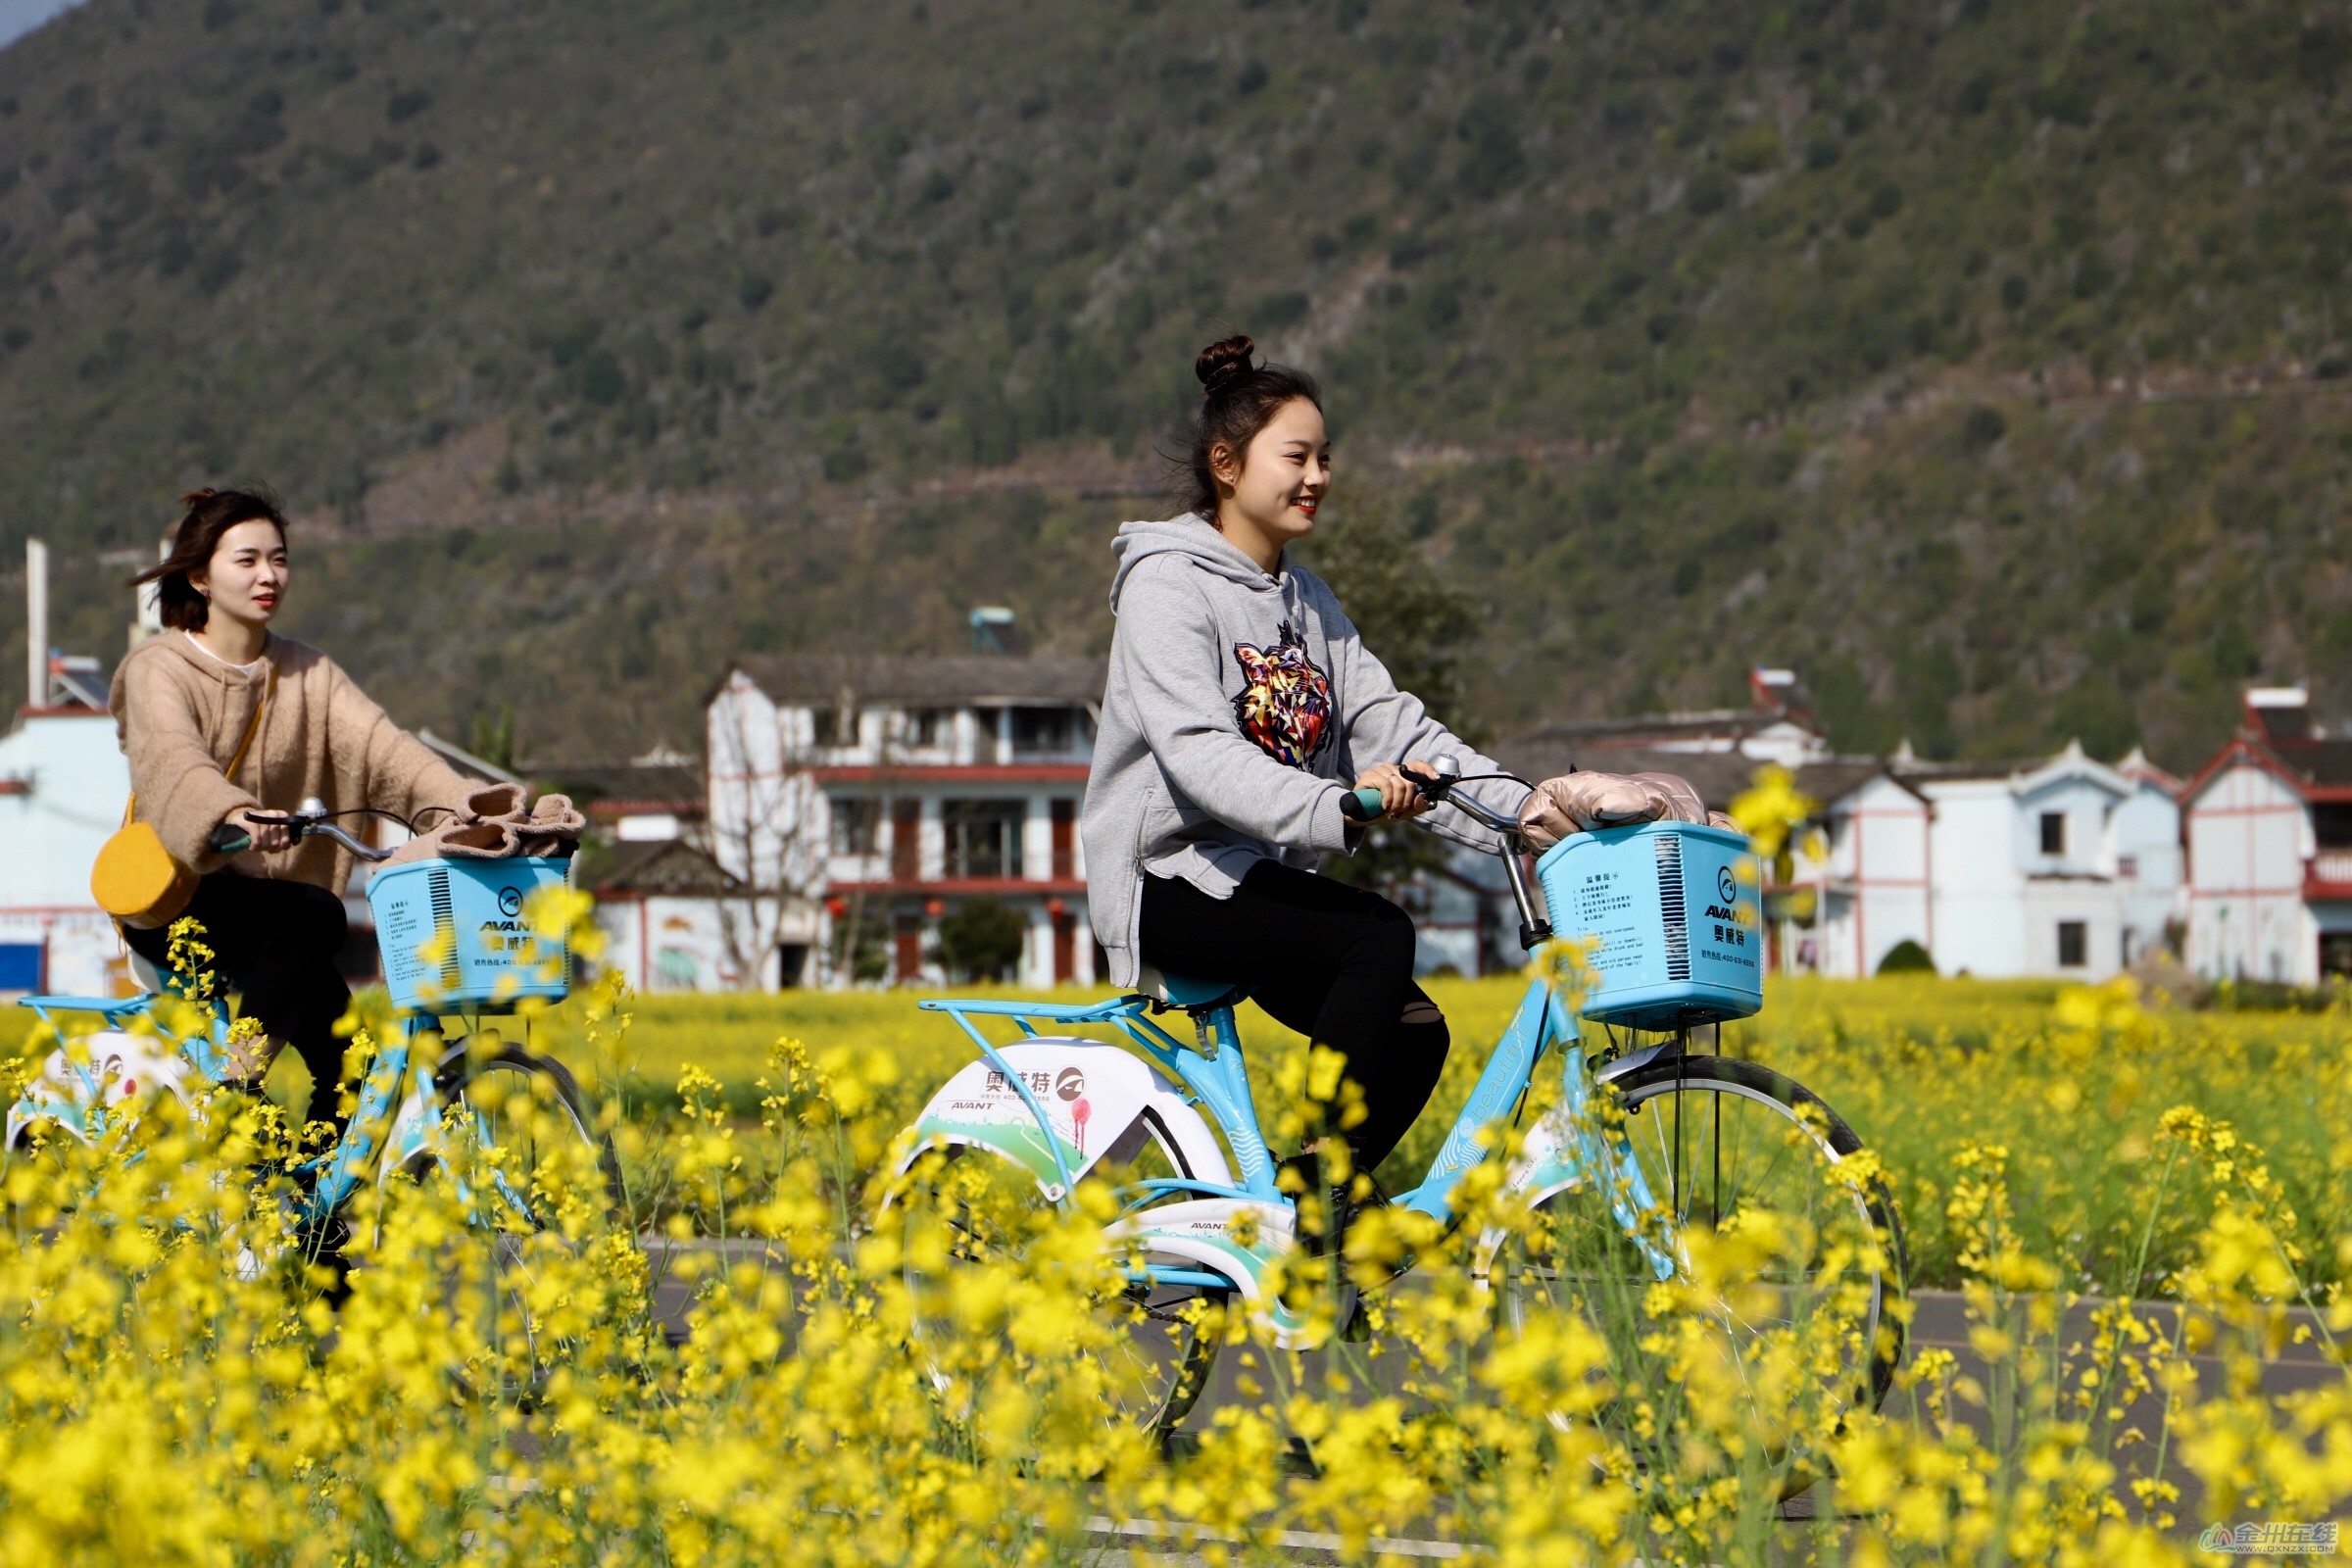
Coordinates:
(1236, 1237)
(1094, 1096)
(91, 1074)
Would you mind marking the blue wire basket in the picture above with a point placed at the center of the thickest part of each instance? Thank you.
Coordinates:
(1673, 912)
(457, 936)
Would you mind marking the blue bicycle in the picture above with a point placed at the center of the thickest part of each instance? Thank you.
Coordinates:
(1650, 1137)
(509, 1126)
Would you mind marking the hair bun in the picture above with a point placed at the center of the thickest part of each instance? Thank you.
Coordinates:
(1222, 361)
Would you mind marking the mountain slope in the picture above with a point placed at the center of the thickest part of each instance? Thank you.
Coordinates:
(594, 340)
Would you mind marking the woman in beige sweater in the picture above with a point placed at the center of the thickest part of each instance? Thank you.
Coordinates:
(182, 703)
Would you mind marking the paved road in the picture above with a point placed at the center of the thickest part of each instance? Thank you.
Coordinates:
(1939, 1320)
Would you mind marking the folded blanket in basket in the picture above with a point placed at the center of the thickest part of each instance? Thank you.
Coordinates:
(493, 825)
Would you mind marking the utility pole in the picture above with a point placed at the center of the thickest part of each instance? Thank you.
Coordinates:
(36, 623)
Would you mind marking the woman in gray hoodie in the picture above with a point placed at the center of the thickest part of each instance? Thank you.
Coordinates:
(1241, 709)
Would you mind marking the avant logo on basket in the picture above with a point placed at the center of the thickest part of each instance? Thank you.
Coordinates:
(1069, 1083)
(510, 902)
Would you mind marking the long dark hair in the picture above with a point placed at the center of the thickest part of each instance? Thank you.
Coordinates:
(209, 515)
(1237, 400)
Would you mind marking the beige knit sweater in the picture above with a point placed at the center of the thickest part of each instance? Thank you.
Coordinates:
(181, 713)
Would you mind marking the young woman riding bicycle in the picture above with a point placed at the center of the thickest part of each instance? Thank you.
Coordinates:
(1240, 710)
(221, 718)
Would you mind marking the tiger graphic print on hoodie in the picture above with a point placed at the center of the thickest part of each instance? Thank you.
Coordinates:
(1285, 701)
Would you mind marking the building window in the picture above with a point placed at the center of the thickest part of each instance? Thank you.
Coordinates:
(930, 727)
(2074, 944)
(834, 727)
(855, 819)
(982, 838)
(2335, 955)
(1042, 731)
(2127, 867)
(2053, 832)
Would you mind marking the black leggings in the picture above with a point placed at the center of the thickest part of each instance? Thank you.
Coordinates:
(275, 941)
(1331, 961)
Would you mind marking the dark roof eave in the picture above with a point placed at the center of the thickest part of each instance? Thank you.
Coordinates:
(938, 678)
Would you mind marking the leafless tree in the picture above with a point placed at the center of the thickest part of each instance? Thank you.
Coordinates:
(767, 827)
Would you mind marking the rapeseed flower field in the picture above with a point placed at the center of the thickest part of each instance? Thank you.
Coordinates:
(2138, 1210)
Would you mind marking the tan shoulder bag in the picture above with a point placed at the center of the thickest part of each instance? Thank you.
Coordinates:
(138, 881)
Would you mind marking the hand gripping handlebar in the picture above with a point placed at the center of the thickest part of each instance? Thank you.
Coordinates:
(1366, 805)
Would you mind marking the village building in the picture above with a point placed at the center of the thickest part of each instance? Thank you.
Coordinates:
(2060, 865)
(865, 801)
(64, 783)
(1777, 726)
(2057, 866)
(2269, 829)
(673, 919)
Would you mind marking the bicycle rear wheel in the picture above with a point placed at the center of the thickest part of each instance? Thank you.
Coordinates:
(1720, 1144)
(967, 1209)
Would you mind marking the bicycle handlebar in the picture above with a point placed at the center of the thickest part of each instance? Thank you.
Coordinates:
(1366, 805)
(230, 839)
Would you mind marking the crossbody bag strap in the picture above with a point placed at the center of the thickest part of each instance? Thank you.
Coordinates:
(253, 725)
(253, 728)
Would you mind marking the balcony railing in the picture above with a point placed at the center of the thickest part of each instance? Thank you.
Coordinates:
(2331, 869)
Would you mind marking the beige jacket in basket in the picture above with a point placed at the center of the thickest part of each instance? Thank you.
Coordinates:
(181, 713)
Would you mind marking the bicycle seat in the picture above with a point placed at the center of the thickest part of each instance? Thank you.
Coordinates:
(1193, 995)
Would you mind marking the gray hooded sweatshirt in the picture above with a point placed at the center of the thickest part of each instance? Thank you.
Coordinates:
(1239, 709)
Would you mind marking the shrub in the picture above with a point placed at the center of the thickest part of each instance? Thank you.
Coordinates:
(1906, 957)
(1755, 149)
(982, 940)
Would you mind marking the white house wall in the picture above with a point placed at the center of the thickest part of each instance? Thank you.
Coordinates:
(679, 944)
(2076, 885)
(1979, 883)
(1955, 863)
(2149, 874)
(75, 783)
(2249, 836)
(1879, 878)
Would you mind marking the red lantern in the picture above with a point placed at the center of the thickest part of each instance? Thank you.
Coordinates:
(935, 907)
(1055, 907)
(837, 907)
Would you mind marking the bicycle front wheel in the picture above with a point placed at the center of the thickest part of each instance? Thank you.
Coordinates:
(1717, 1143)
(540, 1160)
(542, 1186)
